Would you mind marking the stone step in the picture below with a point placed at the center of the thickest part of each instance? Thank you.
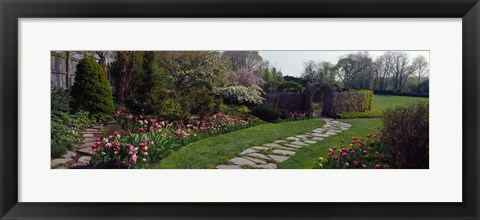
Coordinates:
(278, 158)
(241, 161)
(283, 152)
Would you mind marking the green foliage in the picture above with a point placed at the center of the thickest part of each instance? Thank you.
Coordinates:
(290, 87)
(198, 102)
(143, 82)
(60, 99)
(240, 94)
(64, 132)
(353, 101)
(266, 112)
(91, 91)
(406, 128)
(162, 105)
(234, 110)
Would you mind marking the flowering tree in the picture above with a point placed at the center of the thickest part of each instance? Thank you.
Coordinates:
(241, 94)
(245, 77)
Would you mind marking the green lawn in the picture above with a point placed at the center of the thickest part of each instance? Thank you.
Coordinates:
(381, 102)
(212, 151)
(307, 158)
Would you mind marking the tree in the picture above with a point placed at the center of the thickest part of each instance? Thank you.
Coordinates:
(326, 72)
(420, 66)
(122, 72)
(355, 70)
(383, 68)
(91, 91)
(401, 70)
(248, 78)
(189, 70)
(249, 60)
(310, 70)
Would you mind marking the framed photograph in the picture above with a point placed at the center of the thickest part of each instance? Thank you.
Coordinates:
(248, 110)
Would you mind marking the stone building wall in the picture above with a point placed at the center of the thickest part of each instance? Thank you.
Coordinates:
(58, 70)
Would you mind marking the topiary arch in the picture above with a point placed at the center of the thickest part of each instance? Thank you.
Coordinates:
(327, 92)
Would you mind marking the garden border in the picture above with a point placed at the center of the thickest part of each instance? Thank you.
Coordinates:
(12, 10)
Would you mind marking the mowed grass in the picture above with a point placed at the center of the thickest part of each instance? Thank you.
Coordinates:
(216, 150)
(307, 158)
(382, 102)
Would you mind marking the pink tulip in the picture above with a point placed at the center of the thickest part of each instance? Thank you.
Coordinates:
(107, 146)
(378, 166)
(346, 165)
(133, 159)
(355, 163)
(364, 166)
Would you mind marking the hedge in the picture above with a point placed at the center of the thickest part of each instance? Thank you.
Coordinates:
(353, 101)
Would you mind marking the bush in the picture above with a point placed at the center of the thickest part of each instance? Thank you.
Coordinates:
(234, 110)
(406, 128)
(353, 101)
(91, 91)
(161, 104)
(241, 94)
(290, 87)
(60, 99)
(266, 112)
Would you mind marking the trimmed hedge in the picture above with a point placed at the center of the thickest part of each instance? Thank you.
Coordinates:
(353, 101)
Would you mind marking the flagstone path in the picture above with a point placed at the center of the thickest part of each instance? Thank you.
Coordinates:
(267, 156)
(82, 152)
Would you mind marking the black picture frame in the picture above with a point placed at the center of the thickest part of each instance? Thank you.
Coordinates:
(12, 10)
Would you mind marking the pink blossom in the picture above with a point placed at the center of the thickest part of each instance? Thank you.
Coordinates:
(378, 166)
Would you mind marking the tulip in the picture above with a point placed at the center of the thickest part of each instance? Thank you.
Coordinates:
(107, 146)
(346, 165)
(364, 166)
(364, 152)
(378, 166)
(355, 163)
(133, 159)
(320, 158)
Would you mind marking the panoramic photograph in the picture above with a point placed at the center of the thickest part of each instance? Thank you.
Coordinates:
(268, 109)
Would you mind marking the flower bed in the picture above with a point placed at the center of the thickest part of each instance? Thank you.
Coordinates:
(363, 153)
(145, 140)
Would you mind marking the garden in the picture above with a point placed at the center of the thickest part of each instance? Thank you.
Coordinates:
(235, 110)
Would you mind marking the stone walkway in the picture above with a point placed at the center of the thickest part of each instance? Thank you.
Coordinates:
(82, 153)
(269, 155)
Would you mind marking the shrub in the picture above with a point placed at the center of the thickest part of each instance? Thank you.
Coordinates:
(60, 99)
(162, 105)
(241, 94)
(91, 91)
(406, 128)
(266, 112)
(290, 87)
(353, 101)
(234, 110)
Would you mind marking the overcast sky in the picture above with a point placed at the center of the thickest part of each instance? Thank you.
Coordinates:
(291, 62)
